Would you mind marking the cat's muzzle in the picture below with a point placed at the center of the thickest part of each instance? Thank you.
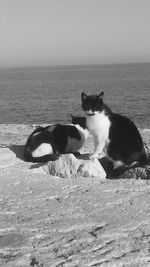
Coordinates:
(90, 113)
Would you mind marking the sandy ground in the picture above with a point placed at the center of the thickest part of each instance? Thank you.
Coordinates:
(49, 221)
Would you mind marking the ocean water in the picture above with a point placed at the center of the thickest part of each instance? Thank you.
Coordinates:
(50, 95)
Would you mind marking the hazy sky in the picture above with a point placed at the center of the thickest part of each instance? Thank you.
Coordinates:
(57, 32)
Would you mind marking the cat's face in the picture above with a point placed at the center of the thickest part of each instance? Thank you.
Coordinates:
(92, 104)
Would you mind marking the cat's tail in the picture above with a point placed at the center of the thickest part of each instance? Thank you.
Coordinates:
(43, 159)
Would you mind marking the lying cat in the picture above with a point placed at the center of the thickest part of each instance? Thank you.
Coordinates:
(46, 143)
(114, 134)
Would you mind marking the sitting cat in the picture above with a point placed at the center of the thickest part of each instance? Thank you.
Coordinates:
(114, 134)
(46, 143)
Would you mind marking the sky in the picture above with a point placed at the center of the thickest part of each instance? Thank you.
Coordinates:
(73, 32)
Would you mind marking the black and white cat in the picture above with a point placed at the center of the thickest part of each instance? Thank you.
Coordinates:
(114, 134)
(46, 143)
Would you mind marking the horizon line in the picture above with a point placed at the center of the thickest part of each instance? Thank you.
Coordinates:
(63, 66)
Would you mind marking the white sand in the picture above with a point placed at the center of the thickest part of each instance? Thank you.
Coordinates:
(49, 221)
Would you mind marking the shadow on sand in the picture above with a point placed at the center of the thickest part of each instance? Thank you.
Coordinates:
(18, 150)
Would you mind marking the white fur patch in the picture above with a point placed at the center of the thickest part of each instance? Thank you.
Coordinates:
(90, 112)
(37, 133)
(74, 144)
(99, 125)
(83, 132)
(117, 164)
(42, 150)
(52, 128)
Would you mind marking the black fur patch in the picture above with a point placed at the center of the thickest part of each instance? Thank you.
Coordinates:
(125, 140)
(61, 134)
(80, 121)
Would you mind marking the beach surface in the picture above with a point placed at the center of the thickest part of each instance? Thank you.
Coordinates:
(78, 221)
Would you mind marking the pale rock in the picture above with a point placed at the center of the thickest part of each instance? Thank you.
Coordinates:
(92, 168)
(68, 166)
(7, 157)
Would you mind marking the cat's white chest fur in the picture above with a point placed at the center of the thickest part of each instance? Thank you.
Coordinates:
(99, 125)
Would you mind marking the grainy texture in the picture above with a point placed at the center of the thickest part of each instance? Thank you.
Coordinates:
(50, 221)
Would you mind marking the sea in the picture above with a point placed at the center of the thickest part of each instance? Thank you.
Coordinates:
(40, 95)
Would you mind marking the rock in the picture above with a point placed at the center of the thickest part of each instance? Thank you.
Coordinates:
(92, 168)
(7, 157)
(68, 165)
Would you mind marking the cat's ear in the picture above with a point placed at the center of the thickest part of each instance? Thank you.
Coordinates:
(83, 96)
(72, 118)
(101, 95)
